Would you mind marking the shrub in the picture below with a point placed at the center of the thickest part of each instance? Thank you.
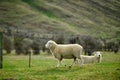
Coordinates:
(7, 44)
(36, 48)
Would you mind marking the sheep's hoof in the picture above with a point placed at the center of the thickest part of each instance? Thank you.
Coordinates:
(65, 65)
(56, 66)
(70, 67)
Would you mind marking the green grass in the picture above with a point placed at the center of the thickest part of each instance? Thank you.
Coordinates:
(39, 5)
(43, 68)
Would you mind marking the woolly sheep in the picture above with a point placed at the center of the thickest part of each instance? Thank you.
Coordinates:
(92, 59)
(66, 51)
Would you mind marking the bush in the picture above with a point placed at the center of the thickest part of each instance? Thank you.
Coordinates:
(18, 44)
(7, 43)
(26, 45)
(36, 48)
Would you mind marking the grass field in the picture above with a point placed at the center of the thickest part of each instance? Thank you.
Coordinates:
(43, 68)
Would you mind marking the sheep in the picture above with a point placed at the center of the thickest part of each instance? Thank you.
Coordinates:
(66, 51)
(92, 59)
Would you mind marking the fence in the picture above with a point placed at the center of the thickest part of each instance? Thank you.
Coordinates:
(1, 46)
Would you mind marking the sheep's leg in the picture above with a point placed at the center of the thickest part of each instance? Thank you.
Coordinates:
(63, 64)
(73, 63)
(81, 61)
(76, 61)
(59, 62)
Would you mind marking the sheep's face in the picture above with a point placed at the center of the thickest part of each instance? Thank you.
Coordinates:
(98, 54)
(49, 44)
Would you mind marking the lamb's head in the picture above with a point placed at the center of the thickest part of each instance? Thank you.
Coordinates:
(50, 44)
(98, 54)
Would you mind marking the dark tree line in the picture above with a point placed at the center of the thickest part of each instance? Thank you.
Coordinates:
(24, 45)
(91, 44)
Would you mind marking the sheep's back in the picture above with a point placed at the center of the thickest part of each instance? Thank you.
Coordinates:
(69, 48)
(68, 51)
(88, 59)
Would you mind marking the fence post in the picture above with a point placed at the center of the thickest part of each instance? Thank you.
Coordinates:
(29, 59)
(1, 48)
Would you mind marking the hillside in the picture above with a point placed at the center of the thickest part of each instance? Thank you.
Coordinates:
(99, 18)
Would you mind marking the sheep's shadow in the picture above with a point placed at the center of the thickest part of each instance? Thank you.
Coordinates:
(54, 71)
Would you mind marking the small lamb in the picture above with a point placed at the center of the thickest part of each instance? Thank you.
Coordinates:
(92, 59)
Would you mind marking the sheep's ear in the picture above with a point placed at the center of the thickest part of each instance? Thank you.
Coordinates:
(50, 40)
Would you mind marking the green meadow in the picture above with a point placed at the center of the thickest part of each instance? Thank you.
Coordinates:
(43, 67)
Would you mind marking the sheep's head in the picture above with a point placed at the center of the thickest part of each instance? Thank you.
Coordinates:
(50, 44)
(98, 54)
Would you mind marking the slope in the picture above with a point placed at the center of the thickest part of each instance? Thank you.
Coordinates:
(89, 17)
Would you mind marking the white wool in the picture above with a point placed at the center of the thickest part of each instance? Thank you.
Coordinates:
(64, 51)
(92, 59)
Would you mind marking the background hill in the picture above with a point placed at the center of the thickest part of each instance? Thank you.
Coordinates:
(99, 18)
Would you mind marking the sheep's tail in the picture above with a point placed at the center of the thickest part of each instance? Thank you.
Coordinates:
(82, 52)
(81, 58)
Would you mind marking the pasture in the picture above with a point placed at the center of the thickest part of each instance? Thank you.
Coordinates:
(43, 67)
